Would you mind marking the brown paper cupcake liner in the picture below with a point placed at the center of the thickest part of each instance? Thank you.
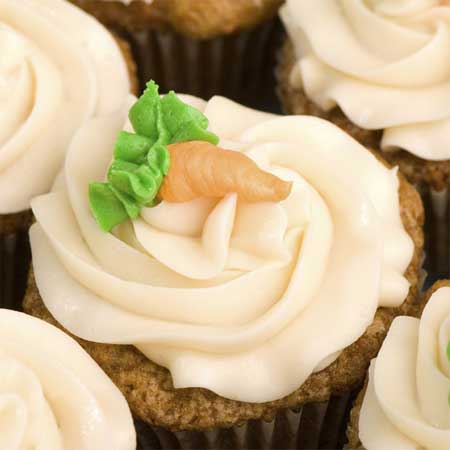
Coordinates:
(437, 233)
(239, 66)
(14, 264)
(313, 426)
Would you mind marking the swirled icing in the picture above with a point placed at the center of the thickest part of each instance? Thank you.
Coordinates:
(231, 296)
(386, 66)
(53, 396)
(58, 67)
(406, 402)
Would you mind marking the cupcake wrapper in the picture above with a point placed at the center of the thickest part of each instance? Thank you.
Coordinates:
(437, 233)
(14, 265)
(313, 426)
(239, 66)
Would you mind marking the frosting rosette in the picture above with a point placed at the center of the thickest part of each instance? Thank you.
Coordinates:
(53, 396)
(387, 67)
(228, 295)
(58, 67)
(406, 405)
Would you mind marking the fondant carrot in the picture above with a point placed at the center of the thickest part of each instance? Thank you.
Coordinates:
(201, 169)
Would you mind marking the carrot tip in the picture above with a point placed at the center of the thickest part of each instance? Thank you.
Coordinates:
(201, 169)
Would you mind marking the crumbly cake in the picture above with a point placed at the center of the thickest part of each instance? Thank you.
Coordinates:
(131, 64)
(203, 19)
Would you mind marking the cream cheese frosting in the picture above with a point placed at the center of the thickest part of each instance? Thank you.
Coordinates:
(58, 67)
(53, 396)
(384, 62)
(406, 405)
(230, 296)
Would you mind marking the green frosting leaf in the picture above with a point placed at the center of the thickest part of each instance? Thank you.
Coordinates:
(144, 113)
(184, 122)
(132, 147)
(108, 210)
(191, 131)
(141, 159)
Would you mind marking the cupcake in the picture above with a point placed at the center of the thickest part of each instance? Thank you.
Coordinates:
(53, 395)
(227, 268)
(197, 47)
(405, 404)
(52, 78)
(385, 80)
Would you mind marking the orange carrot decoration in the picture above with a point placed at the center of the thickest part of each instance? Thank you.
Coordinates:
(201, 169)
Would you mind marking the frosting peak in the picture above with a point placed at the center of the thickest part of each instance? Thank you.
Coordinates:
(218, 289)
(402, 88)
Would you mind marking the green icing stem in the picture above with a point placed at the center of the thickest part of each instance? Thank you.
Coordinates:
(141, 159)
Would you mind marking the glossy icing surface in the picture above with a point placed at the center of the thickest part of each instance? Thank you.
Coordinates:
(217, 291)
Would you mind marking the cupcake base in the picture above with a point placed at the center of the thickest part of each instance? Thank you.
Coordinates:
(437, 230)
(354, 443)
(435, 174)
(203, 19)
(14, 258)
(238, 66)
(313, 426)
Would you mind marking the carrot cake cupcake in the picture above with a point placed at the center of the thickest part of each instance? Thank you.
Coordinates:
(200, 47)
(378, 69)
(405, 404)
(224, 265)
(58, 68)
(53, 395)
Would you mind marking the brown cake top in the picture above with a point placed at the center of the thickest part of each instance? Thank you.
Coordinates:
(201, 19)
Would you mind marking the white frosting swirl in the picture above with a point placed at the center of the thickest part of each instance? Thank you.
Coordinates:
(231, 296)
(53, 396)
(406, 405)
(384, 62)
(58, 67)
